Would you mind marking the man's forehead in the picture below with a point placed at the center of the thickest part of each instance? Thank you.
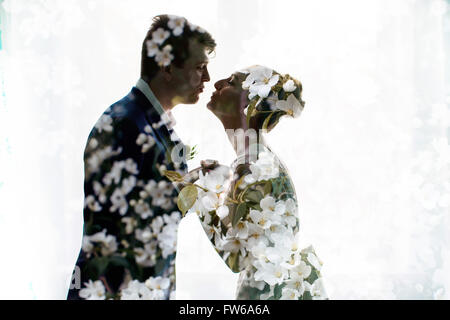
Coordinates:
(198, 52)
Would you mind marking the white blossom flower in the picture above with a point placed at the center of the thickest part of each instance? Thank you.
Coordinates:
(157, 224)
(214, 181)
(108, 243)
(270, 273)
(93, 291)
(119, 202)
(130, 224)
(104, 124)
(268, 204)
(146, 256)
(290, 215)
(222, 212)
(136, 291)
(144, 235)
(234, 245)
(314, 261)
(143, 209)
(317, 290)
(288, 293)
(167, 240)
(92, 204)
(300, 271)
(164, 58)
(265, 168)
(239, 231)
(152, 48)
(260, 82)
(160, 35)
(146, 141)
(291, 106)
(158, 283)
(177, 25)
(289, 86)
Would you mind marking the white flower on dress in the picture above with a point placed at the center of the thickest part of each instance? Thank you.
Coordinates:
(164, 57)
(160, 35)
(93, 291)
(275, 208)
(270, 273)
(288, 293)
(176, 24)
(214, 181)
(291, 106)
(289, 86)
(152, 48)
(300, 272)
(265, 168)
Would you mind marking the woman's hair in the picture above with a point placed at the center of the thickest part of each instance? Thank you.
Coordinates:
(271, 96)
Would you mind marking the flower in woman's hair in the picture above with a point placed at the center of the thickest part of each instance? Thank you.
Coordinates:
(152, 48)
(177, 25)
(93, 291)
(160, 35)
(291, 106)
(164, 58)
(289, 86)
(261, 82)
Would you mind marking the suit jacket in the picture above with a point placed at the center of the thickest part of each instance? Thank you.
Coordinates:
(130, 213)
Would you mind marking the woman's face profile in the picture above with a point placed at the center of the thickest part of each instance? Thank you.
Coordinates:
(229, 99)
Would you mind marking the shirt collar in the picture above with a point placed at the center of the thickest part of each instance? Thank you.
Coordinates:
(166, 116)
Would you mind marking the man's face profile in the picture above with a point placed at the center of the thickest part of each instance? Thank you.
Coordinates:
(189, 80)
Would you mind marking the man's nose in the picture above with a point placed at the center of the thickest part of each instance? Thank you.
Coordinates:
(206, 77)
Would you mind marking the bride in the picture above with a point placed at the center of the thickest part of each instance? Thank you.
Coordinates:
(249, 211)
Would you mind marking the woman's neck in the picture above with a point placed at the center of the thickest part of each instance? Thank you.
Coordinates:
(246, 143)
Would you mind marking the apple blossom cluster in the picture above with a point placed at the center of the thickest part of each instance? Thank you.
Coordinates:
(157, 47)
(277, 90)
(252, 221)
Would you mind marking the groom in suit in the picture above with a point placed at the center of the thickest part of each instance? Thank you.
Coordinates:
(130, 214)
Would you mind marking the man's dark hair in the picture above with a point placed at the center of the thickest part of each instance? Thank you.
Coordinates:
(180, 45)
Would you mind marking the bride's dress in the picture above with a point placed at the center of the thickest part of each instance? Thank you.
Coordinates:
(253, 224)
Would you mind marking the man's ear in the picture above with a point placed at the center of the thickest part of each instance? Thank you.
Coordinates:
(167, 73)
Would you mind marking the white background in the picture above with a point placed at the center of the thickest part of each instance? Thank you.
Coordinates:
(369, 157)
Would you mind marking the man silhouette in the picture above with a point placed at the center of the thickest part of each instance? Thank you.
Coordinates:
(130, 214)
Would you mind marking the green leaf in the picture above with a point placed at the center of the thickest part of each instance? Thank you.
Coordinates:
(266, 121)
(254, 196)
(173, 176)
(241, 211)
(267, 188)
(119, 261)
(250, 110)
(233, 261)
(187, 198)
